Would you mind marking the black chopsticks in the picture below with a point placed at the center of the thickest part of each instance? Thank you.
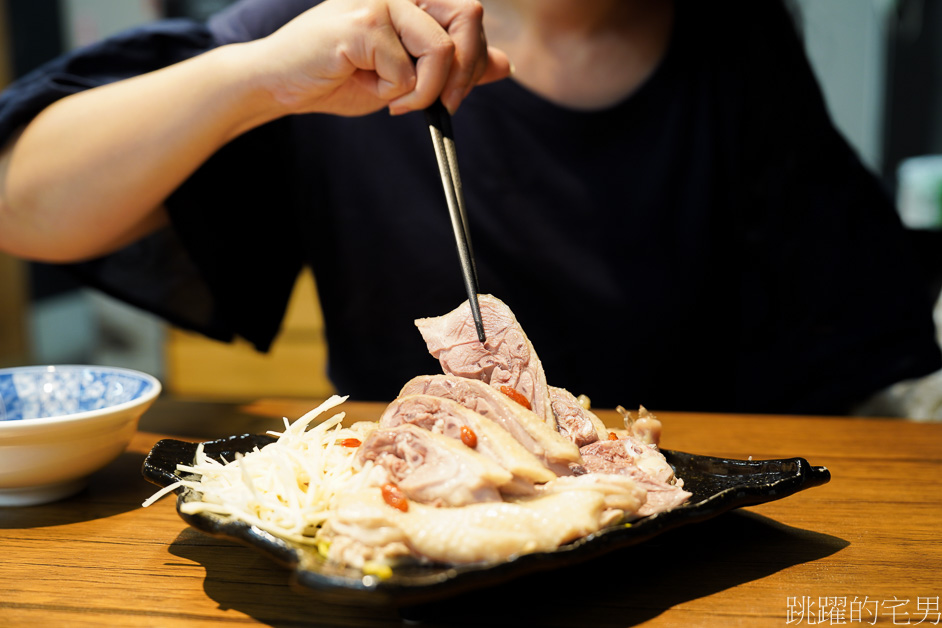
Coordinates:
(439, 123)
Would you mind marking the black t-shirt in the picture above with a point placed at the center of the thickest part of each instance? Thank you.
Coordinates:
(709, 243)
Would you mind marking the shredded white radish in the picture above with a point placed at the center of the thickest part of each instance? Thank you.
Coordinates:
(287, 487)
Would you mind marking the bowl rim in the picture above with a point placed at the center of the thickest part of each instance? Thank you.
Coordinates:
(75, 417)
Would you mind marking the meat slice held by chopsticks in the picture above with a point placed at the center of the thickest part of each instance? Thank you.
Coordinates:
(554, 450)
(507, 360)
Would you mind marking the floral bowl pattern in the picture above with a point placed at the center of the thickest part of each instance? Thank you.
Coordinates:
(59, 424)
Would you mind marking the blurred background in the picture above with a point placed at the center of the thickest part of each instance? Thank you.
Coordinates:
(879, 63)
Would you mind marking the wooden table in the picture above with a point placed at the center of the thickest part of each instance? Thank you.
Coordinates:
(865, 548)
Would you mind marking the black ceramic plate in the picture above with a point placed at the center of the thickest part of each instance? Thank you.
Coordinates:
(717, 484)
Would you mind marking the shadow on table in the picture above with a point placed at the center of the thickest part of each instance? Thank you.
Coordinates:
(626, 587)
(114, 489)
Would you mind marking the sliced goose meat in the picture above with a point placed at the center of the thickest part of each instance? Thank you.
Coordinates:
(507, 359)
(642, 463)
(621, 491)
(554, 450)
(432, 468)
(477, 533)
(574, 421)
(450, 418)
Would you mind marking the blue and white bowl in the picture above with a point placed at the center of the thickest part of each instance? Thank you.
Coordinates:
(59, 424)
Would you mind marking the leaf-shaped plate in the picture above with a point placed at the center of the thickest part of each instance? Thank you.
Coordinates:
(718, 485)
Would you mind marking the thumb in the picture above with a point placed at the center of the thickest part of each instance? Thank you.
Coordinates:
(498, 66)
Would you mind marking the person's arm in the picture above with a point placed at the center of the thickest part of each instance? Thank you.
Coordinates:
(89, 174)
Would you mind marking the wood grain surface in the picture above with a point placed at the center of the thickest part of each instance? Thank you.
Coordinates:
(864, 549)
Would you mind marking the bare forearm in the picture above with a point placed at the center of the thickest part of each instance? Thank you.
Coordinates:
(90, 173)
